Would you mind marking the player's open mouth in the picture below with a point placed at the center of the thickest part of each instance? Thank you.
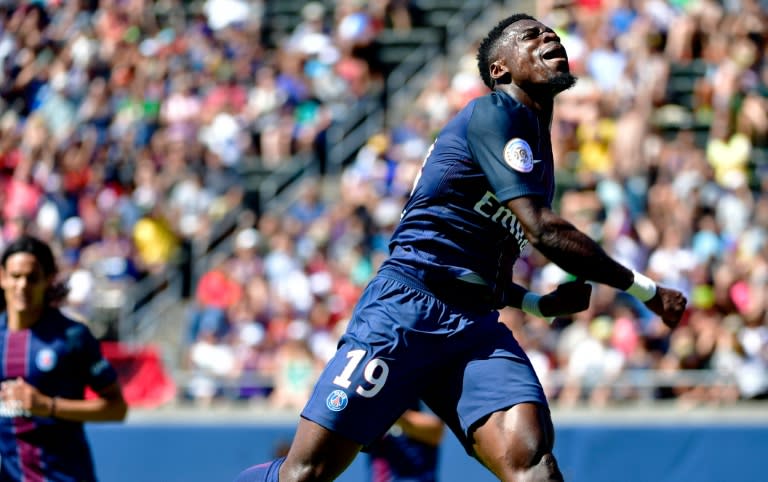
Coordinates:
(556, 53)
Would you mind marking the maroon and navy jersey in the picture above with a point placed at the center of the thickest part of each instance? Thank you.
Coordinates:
(397, 457)
(456, 225)
(60, 357)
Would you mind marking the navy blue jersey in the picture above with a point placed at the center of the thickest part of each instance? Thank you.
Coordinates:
(60, 357)
(456, 223)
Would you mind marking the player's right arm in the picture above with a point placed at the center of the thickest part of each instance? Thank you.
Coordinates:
(108, 406)
(566, 299)
(578, 254)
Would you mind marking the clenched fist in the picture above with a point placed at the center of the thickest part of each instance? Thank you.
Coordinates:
(26, 398)
(669, 304)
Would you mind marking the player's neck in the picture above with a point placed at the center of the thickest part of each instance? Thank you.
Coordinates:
(540, 102)
(18, 320)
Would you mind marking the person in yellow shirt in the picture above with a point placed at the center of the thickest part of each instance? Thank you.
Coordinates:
(155, 240)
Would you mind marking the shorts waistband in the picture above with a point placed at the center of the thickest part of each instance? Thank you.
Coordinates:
(451, 292)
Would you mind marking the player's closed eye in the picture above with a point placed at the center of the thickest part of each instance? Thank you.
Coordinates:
(32, 278)
(532, 33)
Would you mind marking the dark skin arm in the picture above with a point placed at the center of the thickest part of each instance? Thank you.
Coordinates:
(422, 426)
(575, 252)
(568, 298)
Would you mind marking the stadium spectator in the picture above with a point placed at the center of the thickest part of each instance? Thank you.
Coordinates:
(295, 369)
(212, 363)
(210, 350)
(593, 366)
(216, 293)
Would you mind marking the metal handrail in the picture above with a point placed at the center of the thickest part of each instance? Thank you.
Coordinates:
(645, 378)
(137, 321)
(410, 76)
(407, 78)
(203, 249)
(148, 299)
(347, 134)
(284, 176)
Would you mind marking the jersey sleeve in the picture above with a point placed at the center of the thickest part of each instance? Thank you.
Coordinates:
(97, 370)
(503, 142)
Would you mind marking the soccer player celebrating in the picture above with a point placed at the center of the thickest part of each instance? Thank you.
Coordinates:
(426, 325)
(47, 361)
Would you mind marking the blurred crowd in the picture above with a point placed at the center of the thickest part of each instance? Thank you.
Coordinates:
(125, 127)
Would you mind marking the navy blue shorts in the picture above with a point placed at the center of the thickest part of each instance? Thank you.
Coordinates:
(404, 344)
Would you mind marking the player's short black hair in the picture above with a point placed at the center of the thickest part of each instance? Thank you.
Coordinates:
(37, 248)
(487, 49)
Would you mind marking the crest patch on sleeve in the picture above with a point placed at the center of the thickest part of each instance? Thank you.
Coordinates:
(518, 155)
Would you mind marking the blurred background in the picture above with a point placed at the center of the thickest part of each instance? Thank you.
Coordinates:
(220, 178)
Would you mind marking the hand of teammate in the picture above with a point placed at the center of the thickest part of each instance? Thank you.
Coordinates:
(669, 304)
(568, 298)
(28, 397)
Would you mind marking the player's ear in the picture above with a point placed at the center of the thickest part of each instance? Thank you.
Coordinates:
(498, 69)
(500, 72)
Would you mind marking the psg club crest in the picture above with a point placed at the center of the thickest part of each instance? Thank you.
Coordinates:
(337, 401)
(45, 360)
(518, 155)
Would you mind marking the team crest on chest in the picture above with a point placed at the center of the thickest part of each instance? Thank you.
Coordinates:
(518, 155)
(45, 360)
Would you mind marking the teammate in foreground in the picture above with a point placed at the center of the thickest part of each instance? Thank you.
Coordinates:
(409, 451)
(426, 325)
(47, 361)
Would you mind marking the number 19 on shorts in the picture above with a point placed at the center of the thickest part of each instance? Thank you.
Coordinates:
(375, 373)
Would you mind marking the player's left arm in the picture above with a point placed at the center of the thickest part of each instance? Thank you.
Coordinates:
(563, 244)
(575, 252)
